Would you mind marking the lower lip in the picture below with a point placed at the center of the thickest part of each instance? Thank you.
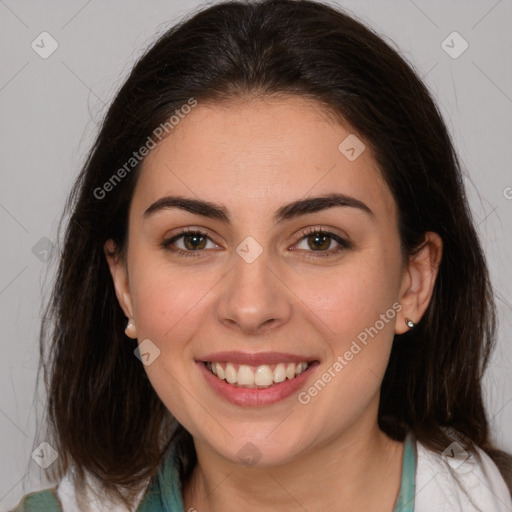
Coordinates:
(254, 396)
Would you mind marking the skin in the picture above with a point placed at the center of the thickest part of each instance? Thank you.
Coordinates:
(253, 156)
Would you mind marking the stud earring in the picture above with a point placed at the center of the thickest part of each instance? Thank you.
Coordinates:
(409, 323)
(130, 330)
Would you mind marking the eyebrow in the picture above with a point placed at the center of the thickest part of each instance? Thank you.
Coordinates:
(286, 212)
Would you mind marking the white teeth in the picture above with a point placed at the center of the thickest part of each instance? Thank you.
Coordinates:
(231, 374)
(219, 371)
(262, 376)
(245, 376)
(280, 373)
(300, 368)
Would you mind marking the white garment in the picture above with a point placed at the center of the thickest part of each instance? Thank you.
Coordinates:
(92, 503)
(437, 489)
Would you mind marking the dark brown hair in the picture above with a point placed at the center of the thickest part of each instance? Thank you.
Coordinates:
(104, 416)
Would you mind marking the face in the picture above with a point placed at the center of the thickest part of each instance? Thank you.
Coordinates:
(256, 243)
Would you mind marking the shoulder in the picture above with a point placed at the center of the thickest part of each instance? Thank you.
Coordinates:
(459, 480)
(65, 498)
(92, 501)
(41, 501)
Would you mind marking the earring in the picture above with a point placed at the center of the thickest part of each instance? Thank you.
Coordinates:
(409, 323)
(130, 329)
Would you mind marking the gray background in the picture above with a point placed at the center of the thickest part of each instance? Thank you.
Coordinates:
(49, 113)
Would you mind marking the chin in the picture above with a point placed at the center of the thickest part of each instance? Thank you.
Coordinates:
(258, 451)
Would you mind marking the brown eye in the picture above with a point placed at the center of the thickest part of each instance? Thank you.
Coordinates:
(194, 241)
(188, 242)
(321, 242)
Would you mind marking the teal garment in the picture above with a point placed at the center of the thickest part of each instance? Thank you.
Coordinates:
(165, 491)
(42, 501)
(405, 500)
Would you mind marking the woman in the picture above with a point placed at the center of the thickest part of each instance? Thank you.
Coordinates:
(271, 292)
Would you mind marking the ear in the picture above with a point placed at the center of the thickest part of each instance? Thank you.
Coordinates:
(418, 281)
(119, 274)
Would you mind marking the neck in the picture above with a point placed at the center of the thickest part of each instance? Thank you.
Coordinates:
(356, 471)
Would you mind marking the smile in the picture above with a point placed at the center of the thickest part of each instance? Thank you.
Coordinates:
(261, 376)
(256, 379)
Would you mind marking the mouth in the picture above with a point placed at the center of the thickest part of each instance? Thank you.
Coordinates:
(256, 377)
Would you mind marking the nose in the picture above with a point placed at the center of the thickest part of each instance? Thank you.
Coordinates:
(254, 299)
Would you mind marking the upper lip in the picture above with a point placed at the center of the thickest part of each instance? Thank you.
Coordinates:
(254, 358)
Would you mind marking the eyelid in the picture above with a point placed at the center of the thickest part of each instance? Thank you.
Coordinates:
(189, 230)
(341, 240)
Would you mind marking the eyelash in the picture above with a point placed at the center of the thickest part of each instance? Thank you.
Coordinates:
(343, 244)
(167, 244)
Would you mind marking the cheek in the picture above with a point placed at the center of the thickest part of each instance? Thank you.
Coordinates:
(352, 298)
(169, 305)
(168, 301)
(357, 308)
(357, 320)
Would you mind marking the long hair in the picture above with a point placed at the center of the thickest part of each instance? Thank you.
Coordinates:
(104, 417)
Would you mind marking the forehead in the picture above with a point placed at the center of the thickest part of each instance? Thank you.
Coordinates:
(257, 154)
